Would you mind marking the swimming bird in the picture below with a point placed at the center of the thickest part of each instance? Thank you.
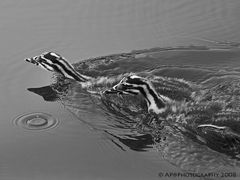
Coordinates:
(195, 127)
(170, 89)
(173, 88)
(202, 121)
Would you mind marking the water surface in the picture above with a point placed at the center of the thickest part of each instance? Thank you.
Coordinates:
(83, 29)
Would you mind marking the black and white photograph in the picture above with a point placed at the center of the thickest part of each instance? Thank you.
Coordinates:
(120, 90)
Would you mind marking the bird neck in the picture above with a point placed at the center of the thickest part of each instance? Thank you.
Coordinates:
(81, 77)
(155, 102)
(67, 70)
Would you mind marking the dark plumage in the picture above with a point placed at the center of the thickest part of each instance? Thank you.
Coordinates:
(205, 121)
(204, 116)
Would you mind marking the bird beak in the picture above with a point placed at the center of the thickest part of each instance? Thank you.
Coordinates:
(32, 60)
(112, 91)
(119, 89)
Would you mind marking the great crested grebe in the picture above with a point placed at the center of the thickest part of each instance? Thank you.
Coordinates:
(170, 87)
(188, 116)
(211, 129)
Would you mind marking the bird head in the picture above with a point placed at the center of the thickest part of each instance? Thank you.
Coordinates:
(131, 84)
(136, 85)
(53, 62)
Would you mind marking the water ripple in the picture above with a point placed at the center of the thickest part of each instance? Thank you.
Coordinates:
(36, 121)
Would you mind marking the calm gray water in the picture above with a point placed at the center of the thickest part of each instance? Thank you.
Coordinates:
(81, 29)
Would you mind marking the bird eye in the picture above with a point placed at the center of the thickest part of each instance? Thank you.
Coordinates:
(127, 86)
(35, 57)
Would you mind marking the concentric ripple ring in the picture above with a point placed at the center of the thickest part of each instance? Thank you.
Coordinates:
(36, 121)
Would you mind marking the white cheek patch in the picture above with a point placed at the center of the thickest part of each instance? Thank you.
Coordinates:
(55, 55)
(46, 67)
(67, 65)
(133, 90)
(135, 77)
(47, 60)
(40, 65)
